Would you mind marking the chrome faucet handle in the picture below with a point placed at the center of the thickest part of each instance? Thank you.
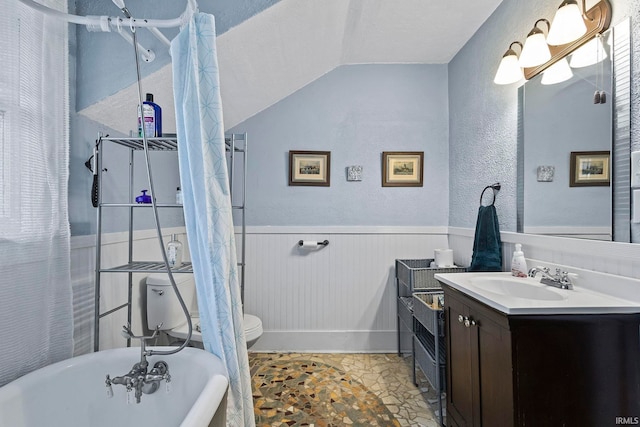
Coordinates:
(565, 278)
(109, 388)
(533, 271)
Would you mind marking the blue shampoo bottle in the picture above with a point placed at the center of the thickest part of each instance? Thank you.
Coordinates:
(151, 117)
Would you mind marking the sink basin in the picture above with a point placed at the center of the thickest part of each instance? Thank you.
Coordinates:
(517, 288)
(526, 296)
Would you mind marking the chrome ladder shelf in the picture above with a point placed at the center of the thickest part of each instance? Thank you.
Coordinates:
(235, 144)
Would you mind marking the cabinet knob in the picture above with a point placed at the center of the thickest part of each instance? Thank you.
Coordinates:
(468, 321)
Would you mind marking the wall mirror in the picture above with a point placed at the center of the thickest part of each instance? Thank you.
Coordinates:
(565, 128)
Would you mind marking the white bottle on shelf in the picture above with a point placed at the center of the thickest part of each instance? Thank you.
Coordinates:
(174, 252)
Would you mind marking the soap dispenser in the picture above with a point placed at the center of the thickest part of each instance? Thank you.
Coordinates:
(518, 263)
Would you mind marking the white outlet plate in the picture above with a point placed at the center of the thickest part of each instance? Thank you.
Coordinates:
(635, 169)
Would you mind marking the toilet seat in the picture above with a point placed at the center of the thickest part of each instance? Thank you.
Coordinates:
(182, 331)
(252, 329)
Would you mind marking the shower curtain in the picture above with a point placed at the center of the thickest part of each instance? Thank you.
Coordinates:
(36, 310)
(207, 207)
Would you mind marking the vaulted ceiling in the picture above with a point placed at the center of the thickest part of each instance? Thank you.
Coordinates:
(280, 50)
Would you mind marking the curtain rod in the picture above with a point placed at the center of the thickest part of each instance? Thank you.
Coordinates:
(105, 23)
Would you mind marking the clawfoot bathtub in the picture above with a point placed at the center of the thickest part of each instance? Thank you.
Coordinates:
(74, 393)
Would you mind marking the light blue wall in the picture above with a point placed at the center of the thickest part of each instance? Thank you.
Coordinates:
(105, 62)
(356, 112)
(484, 116)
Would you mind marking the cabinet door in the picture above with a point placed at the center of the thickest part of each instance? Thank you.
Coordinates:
(479, 367)
(493, 343)
(460, 376)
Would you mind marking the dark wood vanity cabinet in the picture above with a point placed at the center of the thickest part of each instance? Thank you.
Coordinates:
(479, 379)
(539, 370)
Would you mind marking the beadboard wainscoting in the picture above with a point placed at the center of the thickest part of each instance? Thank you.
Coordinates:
(113, 285)
(338, 298)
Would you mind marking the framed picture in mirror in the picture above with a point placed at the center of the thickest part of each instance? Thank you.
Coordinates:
(590, 169)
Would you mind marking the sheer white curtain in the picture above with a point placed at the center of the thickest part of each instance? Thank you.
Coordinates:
(35, 290)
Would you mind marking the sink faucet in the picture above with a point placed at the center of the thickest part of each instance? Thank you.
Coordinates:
(559, 280)
(139, 377)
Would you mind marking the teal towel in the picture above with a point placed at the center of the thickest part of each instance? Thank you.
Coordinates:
(487, 247)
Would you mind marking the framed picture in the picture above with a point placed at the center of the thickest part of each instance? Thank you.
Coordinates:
(402, 168)
(310, 168)
(590, 169)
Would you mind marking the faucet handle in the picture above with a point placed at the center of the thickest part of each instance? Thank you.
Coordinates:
(534, 270)
(109, 388)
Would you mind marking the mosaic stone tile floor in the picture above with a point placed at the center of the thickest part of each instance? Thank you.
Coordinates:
(331, 390)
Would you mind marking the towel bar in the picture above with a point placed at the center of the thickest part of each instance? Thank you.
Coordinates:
(495, 187)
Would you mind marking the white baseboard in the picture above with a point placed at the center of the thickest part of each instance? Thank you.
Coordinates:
(327, 342)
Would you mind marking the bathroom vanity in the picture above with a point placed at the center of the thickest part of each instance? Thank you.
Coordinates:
(555, 358)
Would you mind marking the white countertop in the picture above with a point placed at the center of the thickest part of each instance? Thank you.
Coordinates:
(529, 296)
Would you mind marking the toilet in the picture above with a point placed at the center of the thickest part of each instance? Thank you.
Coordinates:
(164, 308)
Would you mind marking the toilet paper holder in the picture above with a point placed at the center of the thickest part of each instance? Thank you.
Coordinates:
(323, 243)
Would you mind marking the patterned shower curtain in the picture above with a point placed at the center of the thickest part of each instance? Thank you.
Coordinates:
(207, 207)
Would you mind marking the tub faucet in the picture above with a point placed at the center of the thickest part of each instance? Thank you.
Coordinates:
(139, 377)
(559, 280)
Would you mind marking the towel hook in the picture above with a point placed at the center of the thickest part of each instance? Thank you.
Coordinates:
(495, 187)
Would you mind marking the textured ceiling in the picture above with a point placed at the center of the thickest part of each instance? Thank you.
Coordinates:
(289, 45)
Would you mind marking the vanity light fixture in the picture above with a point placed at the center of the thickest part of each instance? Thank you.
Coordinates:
(558, 72)
(509, 70)
(536, 50)
(596, 20)
(568, 23)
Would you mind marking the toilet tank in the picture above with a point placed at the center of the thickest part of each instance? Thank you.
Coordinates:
(162, 303)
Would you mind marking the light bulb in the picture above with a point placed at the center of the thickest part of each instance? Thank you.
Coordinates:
(568, 24)
(509, 70)
(558, 72)
(535, 51)
(590, 53)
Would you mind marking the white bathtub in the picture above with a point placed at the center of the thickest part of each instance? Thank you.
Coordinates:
(73, 393)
